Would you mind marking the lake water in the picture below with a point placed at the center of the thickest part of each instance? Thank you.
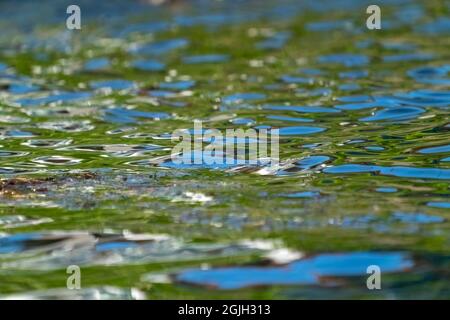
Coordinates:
(87, 179)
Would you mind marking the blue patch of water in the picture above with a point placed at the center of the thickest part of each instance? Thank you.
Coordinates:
(403, 172)
(423, 98)
(312, 161)
(207, 58)
(276, 41)
(419, 218)
(97, 64)
(399, 46)
(54, 98)
(439, 204)
(117, 245)
(345, 59)
(177, 85)
(299, 130)
(161, 93)
(116, 84)
(307, 271)
(22, 88)
(3, 67)
(324, 26)
(408, 57)
(148, 27)
(304, 194)
(374, 148)
(243, 121)
(312, 72)
(349, 87)
(304, 109)
(203, 160)
(439, 149)
(354, 98)
(395, 114)
(293, 119)
(122, 115)
(353, 74)
(357, 106)
(161, 47)
(439, 26)
(16, 243)
(241, 97)
(148, 65)
(386, 189)
(296, 79)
